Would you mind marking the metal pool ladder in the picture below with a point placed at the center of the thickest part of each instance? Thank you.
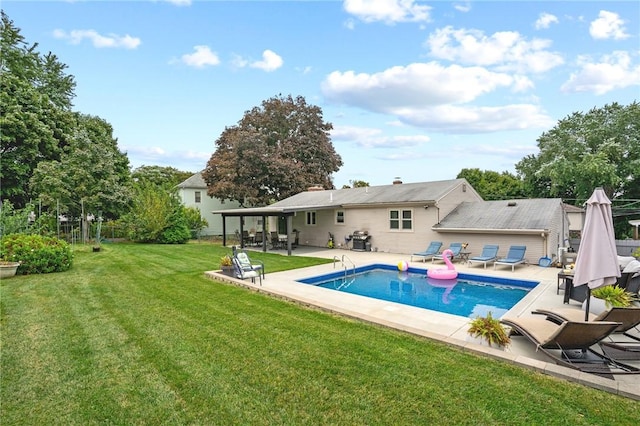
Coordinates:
(345, 281)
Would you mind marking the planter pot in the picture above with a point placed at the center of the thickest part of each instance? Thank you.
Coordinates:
(8, 269)
(228, 271)
(482, 342)
(596, 306)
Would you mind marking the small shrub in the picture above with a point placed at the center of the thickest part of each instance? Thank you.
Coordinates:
(37, 254)
(490, 329)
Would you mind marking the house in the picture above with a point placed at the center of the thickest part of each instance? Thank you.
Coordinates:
(541, 224)
(396, 218)
(193, 193)
(404, 217)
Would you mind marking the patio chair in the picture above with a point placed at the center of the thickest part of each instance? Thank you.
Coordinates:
(515, 256)
(246, 263)
(489, 254)
(569, 343)
(244, 274)
(455, 248)
(627, 348)
(430, 251)
(275, 240)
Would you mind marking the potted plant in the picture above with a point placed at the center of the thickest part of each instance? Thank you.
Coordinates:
(489, 331)
(226, 265)
(603, 298)
(8, 268)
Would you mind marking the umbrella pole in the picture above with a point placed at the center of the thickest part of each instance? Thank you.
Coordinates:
(586, 310)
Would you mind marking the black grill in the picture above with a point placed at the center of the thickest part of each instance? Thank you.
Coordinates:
(360, 241)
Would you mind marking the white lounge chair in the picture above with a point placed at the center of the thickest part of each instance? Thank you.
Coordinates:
(489, 254)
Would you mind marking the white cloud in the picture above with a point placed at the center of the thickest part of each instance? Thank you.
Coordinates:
(611, 72)
(545, 20)
(366, 137)
(271, 61)
(179, 2)
(202, 57)
(415, 86)
(140, 155)
(472, 119)
(387, 11)
(507, 50)
(608, 25)
(98, 40)
(462, 7)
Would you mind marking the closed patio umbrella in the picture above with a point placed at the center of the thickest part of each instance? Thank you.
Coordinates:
(597, 261)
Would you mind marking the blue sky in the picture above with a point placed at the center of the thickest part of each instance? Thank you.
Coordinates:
(414, 89)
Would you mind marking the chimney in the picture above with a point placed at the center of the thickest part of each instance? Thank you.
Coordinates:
(397, 181)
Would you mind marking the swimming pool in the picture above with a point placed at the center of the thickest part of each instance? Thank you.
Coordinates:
(468, 296)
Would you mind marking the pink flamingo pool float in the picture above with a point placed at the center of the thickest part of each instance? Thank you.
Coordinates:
(448, 273)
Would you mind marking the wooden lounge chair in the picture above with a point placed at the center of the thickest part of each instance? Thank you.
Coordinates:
(627, 348)
(430, 251)
(489, 254)
(455, 248)
(515, 256)
(569, 343)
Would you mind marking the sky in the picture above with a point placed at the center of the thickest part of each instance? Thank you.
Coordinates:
(416, 90)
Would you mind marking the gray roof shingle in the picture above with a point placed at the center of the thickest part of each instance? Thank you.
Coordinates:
(529, 214)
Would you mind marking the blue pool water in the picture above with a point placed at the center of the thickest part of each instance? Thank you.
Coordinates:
(468, 296)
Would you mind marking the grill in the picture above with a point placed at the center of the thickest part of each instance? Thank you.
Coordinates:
(361, 241)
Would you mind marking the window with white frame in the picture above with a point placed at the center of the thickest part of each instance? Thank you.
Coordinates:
(401, 220)
(198, 196)
(339, 217)
(311, 218)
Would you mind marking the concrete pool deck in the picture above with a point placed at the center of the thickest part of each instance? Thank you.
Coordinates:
(446, 328)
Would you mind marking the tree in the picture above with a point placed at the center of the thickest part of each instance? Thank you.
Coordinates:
(276, 150)
(583, 151)
(36, 120)
(493, 185)
(157, 216)
(92, 175)
(166, 177)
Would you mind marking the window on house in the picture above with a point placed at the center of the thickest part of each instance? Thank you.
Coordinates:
(401, 220)
(340, 217)
(198, 196)
(311, 218)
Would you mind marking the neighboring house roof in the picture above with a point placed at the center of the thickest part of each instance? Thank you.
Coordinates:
(425, 193)
(195, 181)
(533, 215)
(572, 209)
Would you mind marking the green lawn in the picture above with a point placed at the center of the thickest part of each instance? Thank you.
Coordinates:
(135, 334)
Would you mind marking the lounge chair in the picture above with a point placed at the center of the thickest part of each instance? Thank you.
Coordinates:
(431, 251)
(569, 343)
(247, 264)
(489, 254)
(455, 248)
(515, 256)
(244, 274)
(629, 318)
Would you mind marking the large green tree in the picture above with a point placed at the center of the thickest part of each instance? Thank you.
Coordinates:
(600, 148)
(35, 104)
(493, 185)
(91, 176)
(166, 177)
(276, 150)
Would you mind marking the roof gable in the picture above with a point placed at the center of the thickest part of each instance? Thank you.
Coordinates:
(195, 181)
